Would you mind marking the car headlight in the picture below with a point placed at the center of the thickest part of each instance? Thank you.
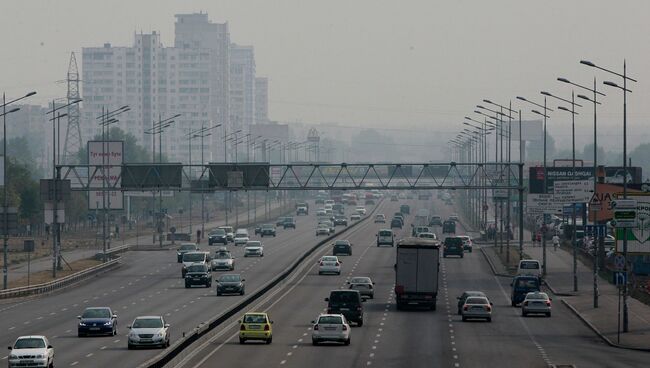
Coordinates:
(13, 356)
(160, 334)
(39, 356)
(108, 323)
(82, 324)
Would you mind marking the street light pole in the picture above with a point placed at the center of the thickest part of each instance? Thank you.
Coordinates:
(5, 238)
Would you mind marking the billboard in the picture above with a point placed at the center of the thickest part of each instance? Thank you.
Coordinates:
(613, 175)
(234, 176)
(105, 158)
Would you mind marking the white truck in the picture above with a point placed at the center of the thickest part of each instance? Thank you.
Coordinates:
(422, 217)
(416, 272)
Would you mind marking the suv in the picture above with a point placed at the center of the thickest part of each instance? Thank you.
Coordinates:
(338, 209)
(289, 222)
(280, 221)
(218, 236)
(396, 222)
(302, 210)
(241, 237)
(521, 286)
(198, 274)
(340, 220)
(190, 258)
(419, 229)
(184, 248)
(453, 246)
(405, 209)
(342, 247)
(230, 233)
(348, 303)
(267, 229)
(449, 227)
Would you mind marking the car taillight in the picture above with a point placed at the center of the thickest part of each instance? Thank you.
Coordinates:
(465, 307)
(267, 327)
(321, 263)
(337, 264)
(526, 303)
(369, 286)
(316, 327)
(488, 308)
(345, 328)
(242, 328)
(548, 303)
(399, 289)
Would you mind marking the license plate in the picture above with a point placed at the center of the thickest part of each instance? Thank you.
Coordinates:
(345, 309)
(330, 328)
(94, 329)
(146, 340)
(253, 327)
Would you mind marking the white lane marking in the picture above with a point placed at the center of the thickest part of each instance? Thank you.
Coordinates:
(89, 355)
(74, 363)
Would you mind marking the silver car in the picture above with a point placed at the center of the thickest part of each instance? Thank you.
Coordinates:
(329, 264)
(254, 248)
(31, 351)
(223, 260)
(148, 331)
(477, 307)
(364, 285)
(330, 327)
(536, 302)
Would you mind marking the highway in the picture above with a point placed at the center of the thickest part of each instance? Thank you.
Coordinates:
(148, 283)
(416, 338)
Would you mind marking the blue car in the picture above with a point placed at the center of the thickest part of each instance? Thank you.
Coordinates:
(97, 321)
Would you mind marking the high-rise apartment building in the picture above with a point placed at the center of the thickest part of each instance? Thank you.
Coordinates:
(190, 79)
(261, 100)
(242, 87)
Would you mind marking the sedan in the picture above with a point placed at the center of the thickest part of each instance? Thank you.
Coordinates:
(31, 351)
(330, 327)
(329, 264)
(364, 285)
(536, 302)
(464, 296)
(477, 307)
(380, 218)
(99, 320)
(255, 326)
(185, 248)
(254, 248)
(223, 261)
(230, 284)
(322, 229)
(148, 331)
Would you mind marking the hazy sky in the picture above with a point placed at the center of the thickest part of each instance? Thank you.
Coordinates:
(408, 63)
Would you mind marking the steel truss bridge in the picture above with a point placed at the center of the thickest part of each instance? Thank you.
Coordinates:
(214, 177)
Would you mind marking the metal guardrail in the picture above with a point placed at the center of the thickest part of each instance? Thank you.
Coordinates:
(202, 329)
(112, 252)
(57, 284)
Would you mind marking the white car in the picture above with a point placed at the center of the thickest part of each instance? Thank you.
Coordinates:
(31, 351)
(431, 236)
(223, 260)
(330, 327)
(323, 229)
(321, 212)
(355, 217)
(254, 248)
(477, 307)
(536, 302)
(241, 237)
(360, 210)
(329, 264)
(148, 331)
(380, 218)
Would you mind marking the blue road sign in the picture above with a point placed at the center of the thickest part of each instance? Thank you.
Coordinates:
(599, 231)
(620, 278)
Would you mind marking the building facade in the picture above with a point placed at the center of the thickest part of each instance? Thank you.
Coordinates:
(261, 100)
(242, 87)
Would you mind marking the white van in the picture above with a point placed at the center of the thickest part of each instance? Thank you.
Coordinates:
(385, 237)
(530, 267)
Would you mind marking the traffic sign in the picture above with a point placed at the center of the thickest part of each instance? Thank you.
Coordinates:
(598, 231)
(619, 262)
(572, 191)
(624, 204)
(620, 278)
(625, 212)
(542, 203)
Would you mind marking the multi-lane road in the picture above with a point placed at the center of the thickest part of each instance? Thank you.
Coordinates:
(150, 283)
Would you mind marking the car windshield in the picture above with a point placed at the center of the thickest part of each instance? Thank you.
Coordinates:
(427, 235)
(476, 301)
(254, 318)
(188, 247)
(29, 343)
(341, 242)
(540, 296)
(330, 320)
(193, 257)
(147, 323)
(96, 313)
(196, 268)
(344, 297)
(385, 233)
(529, 265)
(229, 278)
(267, 226)
(222, 255)
(241, 235)
(218, 232)
(227, 229)
(360, 280)
(329, 259)
(526, 283)
(254, 244)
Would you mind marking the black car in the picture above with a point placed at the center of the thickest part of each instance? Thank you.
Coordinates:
(342, 247)
(396, 222)
(198, 274)
(217, 236)
(289, 222)
(267, 230)
(230, 284)
(338, 208)
(348, 303)
(97, 321)
(405, 209)
(184, 248)
(340, 220)
(453, 246)
(280, 221)
(435, 221)
(449, 227)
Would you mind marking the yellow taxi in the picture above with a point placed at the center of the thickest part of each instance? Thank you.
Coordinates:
(255, 326)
